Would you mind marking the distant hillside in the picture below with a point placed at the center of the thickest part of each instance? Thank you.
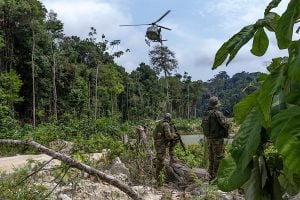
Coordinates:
(230, 90)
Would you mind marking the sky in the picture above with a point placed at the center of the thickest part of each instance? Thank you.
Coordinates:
(199, 28)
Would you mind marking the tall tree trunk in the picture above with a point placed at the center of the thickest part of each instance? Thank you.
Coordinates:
(141, 99)
(96, 92)
(53, 68)
(167, 92)
(33, 78)
(89, 100)
(188, 103)
(112, 103)
(11, 56)
(127, 101)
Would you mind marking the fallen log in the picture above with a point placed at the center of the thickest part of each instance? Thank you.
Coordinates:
(73, 163)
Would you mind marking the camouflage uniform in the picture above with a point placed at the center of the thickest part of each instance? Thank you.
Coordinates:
(218, 130)
(164, 134)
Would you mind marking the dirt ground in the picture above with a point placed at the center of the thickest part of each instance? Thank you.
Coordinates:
(8, 164)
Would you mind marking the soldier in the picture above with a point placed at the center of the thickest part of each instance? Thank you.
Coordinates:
(217, 130)
(164, 137)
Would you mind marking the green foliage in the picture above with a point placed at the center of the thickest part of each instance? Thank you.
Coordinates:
(269, 88)
(44, 134)
(13, 187)
(284, 31)
(244, 107)
(1, 42)
(293, 70)
(230, 176)
(233, 45)
(254, 186)
(246, 141)
(195, 155)
(285, 134)
(187, 127)
(260, 42)
(274, 168)
(10, 84)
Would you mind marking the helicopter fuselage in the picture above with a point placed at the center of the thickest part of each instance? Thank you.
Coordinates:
(153, 33)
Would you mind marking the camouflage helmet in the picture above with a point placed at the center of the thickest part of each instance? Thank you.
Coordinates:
(214, 101)
(168, 116)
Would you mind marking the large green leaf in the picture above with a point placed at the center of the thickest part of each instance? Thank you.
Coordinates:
(221, 55)
(260, 42)
(268, 89)
(230, 177)
(253, 187)
(293, 97)
(284, 30)
(271, 21)
(294, 66)
(290, 182)
(275, 63)
(233, 45)
(245, 143)
(239, 40)
(244, 107)
(285, 134)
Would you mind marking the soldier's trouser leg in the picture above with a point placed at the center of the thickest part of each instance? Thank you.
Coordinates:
(159, 166)
(216, 153)
(210, 158)
(160, 148)
(172, 152)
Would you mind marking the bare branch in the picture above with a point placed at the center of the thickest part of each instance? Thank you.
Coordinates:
(36, 171)
(60, 180)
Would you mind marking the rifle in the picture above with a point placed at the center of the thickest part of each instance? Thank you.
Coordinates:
(179, 138)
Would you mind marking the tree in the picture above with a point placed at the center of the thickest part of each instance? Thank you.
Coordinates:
(55, 29)
(111, 85)
(264, 158)
(163, 60)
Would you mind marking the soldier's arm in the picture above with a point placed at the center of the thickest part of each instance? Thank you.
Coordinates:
(222, 120)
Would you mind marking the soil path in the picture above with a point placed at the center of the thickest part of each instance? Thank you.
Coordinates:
(9, 164)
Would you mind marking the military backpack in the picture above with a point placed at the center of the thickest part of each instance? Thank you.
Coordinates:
(206, 122)
(158, 130)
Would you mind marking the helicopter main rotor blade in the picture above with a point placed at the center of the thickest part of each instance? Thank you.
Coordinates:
(135, 24)
(164, 27)
(162, 17)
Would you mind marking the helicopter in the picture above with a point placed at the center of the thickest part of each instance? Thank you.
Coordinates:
(153, 33)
